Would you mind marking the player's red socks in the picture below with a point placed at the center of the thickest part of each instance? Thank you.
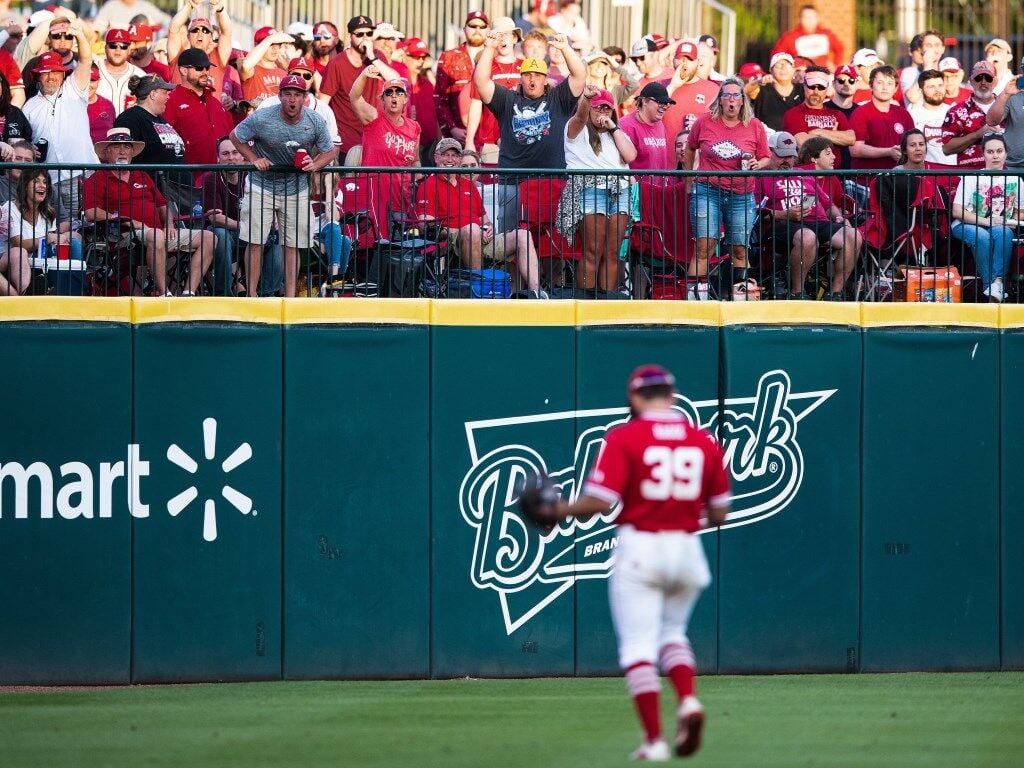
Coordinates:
(677, 661)
(644, 686)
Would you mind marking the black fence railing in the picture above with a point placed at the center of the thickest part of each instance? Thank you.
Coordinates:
(928, 235)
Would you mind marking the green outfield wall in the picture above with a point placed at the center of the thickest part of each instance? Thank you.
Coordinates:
(200, 489)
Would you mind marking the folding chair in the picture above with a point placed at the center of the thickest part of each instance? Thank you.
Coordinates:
(114, 259)
(660, 245)
(538, 209)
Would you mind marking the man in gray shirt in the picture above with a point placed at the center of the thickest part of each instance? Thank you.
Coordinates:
(1008, 109)
(295, 137)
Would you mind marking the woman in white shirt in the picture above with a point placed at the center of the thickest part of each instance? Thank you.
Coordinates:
(34, 220)
(598, 203)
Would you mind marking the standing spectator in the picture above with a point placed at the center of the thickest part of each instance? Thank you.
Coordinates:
(537, 19)
(326, 45)
(532, 118)
(596, 207)
(953, 78)
(569, 22)
(342, 72)
(142, 51)
(195, 112)
(390, 139)
(981, 207)
(276, 135)
(776, 92)
(929, 114)
(867, 61)
(52, 34)
(644, 55)
(535, 46)
(749, 71)
(707, 59)
(304, 67)
(198, 33)
(424, 109)
(880, 124)
(100, 110)
(455, 70)
(646, 129)
(844, 83)
(926, 51)
(809, 42)
(261, 70)
(454, 201)
(1008, 111)
(481, 126)
(13, 123)
(999, 54)
(691, 93)
(59, 113)
(161, 143)
(613, 77)
(722, 136)
(812, 117)
(115, 70)
(385, 44)
(119, 13)
(965, 122)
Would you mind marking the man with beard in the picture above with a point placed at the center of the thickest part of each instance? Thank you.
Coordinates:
(142, 51)
(276, 136)
(326, 45)
(454, 71)
(115, 70)
(930, 113)
(482, 133)
(812, 117)
(199, 35)
(194, 112)
(422, 80)
(691, 95)
(965, 122)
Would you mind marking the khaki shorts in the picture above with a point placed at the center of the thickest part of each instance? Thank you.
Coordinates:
(259, 209)
(492, 251)
(177, 239)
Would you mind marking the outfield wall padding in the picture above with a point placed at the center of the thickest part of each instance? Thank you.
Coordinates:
(357, 462)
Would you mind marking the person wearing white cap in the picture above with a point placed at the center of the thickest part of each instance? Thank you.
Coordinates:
(776, 92)
(953, 78)
(1008, 111)
(999, 54)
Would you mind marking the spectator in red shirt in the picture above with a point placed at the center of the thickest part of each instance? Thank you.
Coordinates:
(811, 43)
(261, 70)
(481, 126)
(691, 93)
(141, 51)
(880, 124)
(422, 80)
(194, 112)
(101, 111)
(953, 79)
(965, 125)
(812, 117)
(454, 201)
(455, 70)
(326, 45)
(198, 33)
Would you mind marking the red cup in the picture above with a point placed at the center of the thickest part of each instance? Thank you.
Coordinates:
(300, 157)
(63, 251)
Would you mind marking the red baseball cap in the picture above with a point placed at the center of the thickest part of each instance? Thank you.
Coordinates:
(477, 15)
(686, 51)
(751, 69)
(262, 34)
(294, 82)
(847, 70)
(118, 36)
(650, 376)
(416, 48)
(659, 41)
(199, 21)
(142, 32)
(603, 97)
(50, 61)
(301, 63)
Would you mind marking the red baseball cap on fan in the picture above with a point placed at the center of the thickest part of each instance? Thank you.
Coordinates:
(118, 36)
(416, 48)
(847, 70)
(474, 15)
(603, 98)
(650, 376)
(685, 51)
(262, 34)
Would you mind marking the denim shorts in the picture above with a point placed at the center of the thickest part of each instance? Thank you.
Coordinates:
(597, 200)
(710, 206)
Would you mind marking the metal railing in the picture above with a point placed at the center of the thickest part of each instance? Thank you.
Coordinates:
(396, 232)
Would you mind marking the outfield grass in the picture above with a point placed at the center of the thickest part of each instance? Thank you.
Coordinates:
(933, 720)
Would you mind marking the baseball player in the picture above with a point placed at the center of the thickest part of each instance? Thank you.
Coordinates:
(666, 473)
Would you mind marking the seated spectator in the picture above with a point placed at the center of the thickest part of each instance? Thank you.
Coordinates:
(21, 152)
(813, 117)
(121, 194)
(818, 154)
(982, 207)
(810, 43)
(879, 124)
(680, 150)
(929, 114)
(454, 201)
(776, 92)
(596, 207)
(15, 267)
(646, 129)
(198, 33)
(100, 110)
(953, 78)
(805, 219)
(34, 219)
(965, 123)
(914, 150)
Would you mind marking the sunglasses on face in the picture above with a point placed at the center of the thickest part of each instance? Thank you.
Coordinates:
(394, 92)
(983, 79)
(303, 75)
(358, 35)
(119, 46)
(602, 108)
(817, 87)
(476, 26)
(324, 36)
(845, 80)
(204, 30)
(201, 69)
(61, 36)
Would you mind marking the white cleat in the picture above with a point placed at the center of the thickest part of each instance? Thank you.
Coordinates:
(652, 751)
(690, 720)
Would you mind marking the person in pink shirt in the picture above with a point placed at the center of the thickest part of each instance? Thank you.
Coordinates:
(726, 139)
(646, 128)
(879, 125)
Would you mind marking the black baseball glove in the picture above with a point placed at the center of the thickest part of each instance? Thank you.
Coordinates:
(538, 499)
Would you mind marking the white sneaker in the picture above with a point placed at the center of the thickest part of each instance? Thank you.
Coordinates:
(995, 291)
(690, 724)
(652, 751)
(698, 291)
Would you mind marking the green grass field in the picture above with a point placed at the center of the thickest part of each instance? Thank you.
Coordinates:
(933, 720)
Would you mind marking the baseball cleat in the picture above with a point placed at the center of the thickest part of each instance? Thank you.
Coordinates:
(690, 718)
(652, 751)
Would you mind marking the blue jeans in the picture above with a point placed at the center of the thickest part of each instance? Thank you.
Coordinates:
(992, 247)
(711, 206)
(337, 246)
(228, 251)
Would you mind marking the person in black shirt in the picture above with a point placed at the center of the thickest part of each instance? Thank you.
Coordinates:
(774, 93)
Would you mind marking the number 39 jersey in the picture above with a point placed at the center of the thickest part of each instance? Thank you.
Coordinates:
(663, 470)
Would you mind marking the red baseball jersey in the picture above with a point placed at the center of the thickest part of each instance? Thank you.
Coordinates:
(663, 470)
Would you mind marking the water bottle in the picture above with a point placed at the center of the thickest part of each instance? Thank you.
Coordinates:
(197, 209)
(114, 225)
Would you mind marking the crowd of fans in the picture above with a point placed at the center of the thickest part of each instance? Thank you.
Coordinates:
(133, 85)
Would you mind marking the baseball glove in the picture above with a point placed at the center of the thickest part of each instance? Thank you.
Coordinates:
(538, 498)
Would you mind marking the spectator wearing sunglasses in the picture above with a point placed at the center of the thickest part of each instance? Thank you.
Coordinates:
(261, 69)
(199, 33)
(141, 52)
(455, 70)
(119, 13)
(53, 34)
(194, 112)
(115, 70)
(813, 117)
(326, 45)
(965, 123)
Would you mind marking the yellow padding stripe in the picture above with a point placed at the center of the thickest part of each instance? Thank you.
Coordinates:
(71, 308)
(502, 312)
(790, 313)
(924, 313)
(1011, 316)
(202, 309)
(647, 313)
(356, 310)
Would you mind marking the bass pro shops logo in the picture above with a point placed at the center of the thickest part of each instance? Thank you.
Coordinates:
(84, 492)
(529, 570)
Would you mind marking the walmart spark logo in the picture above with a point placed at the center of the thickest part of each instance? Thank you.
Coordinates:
(235, 498)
